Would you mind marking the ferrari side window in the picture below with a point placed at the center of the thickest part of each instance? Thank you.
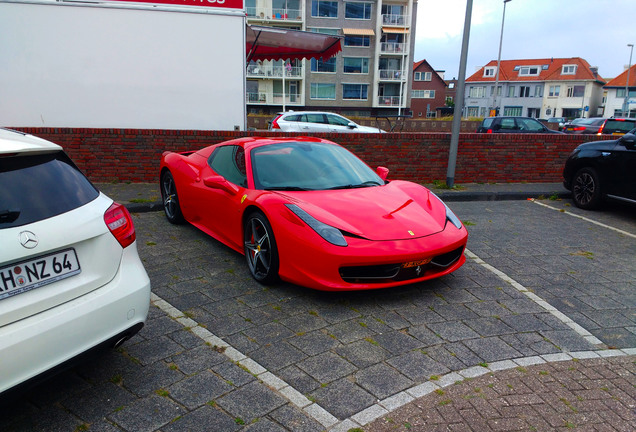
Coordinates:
(229, 162)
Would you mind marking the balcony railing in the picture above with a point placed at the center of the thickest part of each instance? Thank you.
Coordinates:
(269, 14)
(389, 100)
(395, 20)
(393, 48)
(391, 75)
(268, 98)
(272, 71)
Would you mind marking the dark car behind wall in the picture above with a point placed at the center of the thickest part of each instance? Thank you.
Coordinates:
(513, 125)
(598, 170)
(617, 126)
(584, 126)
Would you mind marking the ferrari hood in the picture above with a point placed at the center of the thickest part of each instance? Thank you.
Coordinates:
(396, 211)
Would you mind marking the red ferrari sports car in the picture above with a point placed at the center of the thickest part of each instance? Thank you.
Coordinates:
(308, 211)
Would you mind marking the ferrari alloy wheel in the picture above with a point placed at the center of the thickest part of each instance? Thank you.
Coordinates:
(260, 248)
(170, 199)
(586, 189)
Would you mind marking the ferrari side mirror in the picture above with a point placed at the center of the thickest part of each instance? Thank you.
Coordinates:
(383, 172)
(219, 182)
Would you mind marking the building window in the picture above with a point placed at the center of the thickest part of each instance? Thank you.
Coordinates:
(529, 70)
(473, 111)
(492, 90)
(329, 31)
(511, 91)
(538, 91)
(513, 111)
(355, 91)
(620, 93)
(575, 91)
(451, 85)
(423, 94)
(449, 100)
(356, 65)
(568, 70)
(490, 71)
(431, 114)
(477, 91)
(524, 91)
(423, 76)
(358, 11)
(554, 91)
(323, 91)
(320, 65)
(324, 9)
(357, 41)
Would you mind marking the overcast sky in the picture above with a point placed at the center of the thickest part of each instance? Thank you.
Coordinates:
(595, 30)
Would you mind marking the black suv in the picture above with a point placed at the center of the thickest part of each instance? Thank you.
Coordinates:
(513, 125)
(602, 169)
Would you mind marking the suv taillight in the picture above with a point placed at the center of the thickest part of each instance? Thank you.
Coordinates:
(120, 224)
(600, 130)
(274, 124)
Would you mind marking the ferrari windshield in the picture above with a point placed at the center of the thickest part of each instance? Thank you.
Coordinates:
(309, 166)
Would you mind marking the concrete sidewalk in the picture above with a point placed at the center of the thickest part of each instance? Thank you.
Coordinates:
(143, 197)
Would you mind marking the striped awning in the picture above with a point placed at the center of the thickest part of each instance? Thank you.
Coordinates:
(358, 32)
(395, 30)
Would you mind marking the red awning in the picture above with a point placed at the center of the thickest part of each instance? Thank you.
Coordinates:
(268, 43)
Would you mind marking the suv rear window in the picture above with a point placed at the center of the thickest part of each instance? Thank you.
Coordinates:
(618, 126)
(39, 187)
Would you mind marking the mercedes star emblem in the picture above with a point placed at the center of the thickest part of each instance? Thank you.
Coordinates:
(28, 239)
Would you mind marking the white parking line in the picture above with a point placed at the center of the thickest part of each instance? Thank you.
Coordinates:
(609, 227)
(538, 300)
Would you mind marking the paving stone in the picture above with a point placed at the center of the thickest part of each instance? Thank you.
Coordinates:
(295, 420)
(233, 374)
(417, 366)
(382, 381)
(326, 367)
(147, 414)
(197, 359)
(491, 349)
(314, 343)
(349, 331)
(196, 390)
(453, 331)
(251, 401)
(343, 398)
(362, 354)
(212, 418)
(278, 355)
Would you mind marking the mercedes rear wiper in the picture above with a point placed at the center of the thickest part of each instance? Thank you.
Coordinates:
(8, 216)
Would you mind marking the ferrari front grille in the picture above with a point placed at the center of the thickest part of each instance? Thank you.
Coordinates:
(401, 271)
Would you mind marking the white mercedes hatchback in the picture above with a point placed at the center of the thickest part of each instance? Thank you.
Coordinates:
(71, 280)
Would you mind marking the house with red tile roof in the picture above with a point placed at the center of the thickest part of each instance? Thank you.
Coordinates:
(539, 88)
(428, 93)
(615, 95)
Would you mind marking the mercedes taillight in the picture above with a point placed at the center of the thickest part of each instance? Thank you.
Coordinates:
(120, 224)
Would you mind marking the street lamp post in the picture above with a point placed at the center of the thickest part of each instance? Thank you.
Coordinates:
(503, 19)
(626, 101)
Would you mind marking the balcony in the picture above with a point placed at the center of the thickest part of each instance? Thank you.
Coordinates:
(393, 48)
(393, 101)
(268, 98)
(391, 75)
(273, 14)
(273, 71)
(395, 20)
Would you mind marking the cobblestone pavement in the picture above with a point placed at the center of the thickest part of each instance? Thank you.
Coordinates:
(536, 332)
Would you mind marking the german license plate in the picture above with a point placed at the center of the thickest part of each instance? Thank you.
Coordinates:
(416, 263)
(27, 275)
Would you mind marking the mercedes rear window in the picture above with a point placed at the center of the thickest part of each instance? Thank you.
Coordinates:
(39, 187)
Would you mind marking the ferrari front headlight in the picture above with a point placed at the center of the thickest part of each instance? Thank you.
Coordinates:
(327, 232)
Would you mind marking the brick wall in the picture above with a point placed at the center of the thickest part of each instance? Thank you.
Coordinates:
(126, 155)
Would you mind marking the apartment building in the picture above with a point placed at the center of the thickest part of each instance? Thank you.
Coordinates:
(539, 88)
(370, 76)
(617, 102)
